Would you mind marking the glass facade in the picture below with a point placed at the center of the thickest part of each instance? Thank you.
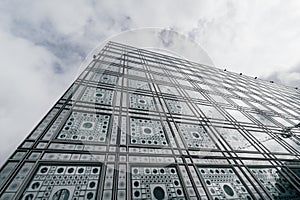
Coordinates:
(141, 125)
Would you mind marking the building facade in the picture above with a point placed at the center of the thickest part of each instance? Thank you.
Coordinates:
(141, 125)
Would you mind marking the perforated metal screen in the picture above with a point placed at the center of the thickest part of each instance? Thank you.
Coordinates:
(142, 125)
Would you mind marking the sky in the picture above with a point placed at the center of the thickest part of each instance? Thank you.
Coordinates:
(44, 45)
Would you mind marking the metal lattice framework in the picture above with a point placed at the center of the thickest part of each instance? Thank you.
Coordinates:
(141, 125)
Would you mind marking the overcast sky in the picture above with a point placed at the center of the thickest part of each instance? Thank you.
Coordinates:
(43, 43)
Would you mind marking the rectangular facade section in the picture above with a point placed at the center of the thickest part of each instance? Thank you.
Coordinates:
(141, 125)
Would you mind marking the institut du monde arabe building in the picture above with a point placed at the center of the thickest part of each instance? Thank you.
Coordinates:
(137, 124)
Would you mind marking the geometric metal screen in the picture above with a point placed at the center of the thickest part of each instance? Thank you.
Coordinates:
(141, 125)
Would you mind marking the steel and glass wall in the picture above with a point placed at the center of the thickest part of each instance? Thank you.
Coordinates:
(142, 125)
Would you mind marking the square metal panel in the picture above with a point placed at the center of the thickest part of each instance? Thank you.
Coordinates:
(262, 119)
(202, 109)
(275, 183)
(141, 85)
(161, 78)
(269, 142)
(101, 67)
(98, 95)
(194, 94)
(105, 78)
(136, 73)
(195, 136)
(158, 70)
(168, 90)
(297, 172)
(156, 183)
(184, 83)
(238, 116)
(210, 112)
(223, 183)
(63, 182)
(235, 139)
(147, 132)
(85, 127)
(141, 102)
(178, 107)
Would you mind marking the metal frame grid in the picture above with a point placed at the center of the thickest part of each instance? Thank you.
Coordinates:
(141, 125)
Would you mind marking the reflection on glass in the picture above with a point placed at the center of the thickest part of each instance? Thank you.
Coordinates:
(236, 140)
(271, 100)
(238, 116)
(274, 182)
(292, 112)
(136, 64)
(219, 99)
(195, 94)
(195, 136)
(240, 103)
(241, 94)
(294, 142)
(262, 119)
(168, 90)
(101, 67)
(242, 88)
(256, 97)
(214, 82)
(269, 142)
(155, 69)
(227, 85)
(178, 107)
(284, 102)
(224, 91)
(176, 74)
(282, 121)
(136, 73)
(205, 87)
(184, 82)
(161, 78)
(210, 112)
(259, 106)
(138, 84)
(275, 109)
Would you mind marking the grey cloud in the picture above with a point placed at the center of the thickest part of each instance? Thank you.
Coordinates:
(192, 34)
(231, 9)
(200, 29)
(47, 36)
(289, 77)
(167, 37)
(125, 23)
(57, 68)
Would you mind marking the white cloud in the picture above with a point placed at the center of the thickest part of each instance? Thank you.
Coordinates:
(255, 38)
(28, 87)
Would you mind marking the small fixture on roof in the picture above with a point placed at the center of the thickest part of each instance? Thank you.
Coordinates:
(286, 132)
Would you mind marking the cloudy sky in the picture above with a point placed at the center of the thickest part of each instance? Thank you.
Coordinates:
(43, 44)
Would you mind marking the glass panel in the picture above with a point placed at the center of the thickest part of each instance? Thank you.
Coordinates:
(268, 142)
(262, 119)
(211, 112)
(236, 140)
(219, 99)
(238, 116)
(240, 103)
